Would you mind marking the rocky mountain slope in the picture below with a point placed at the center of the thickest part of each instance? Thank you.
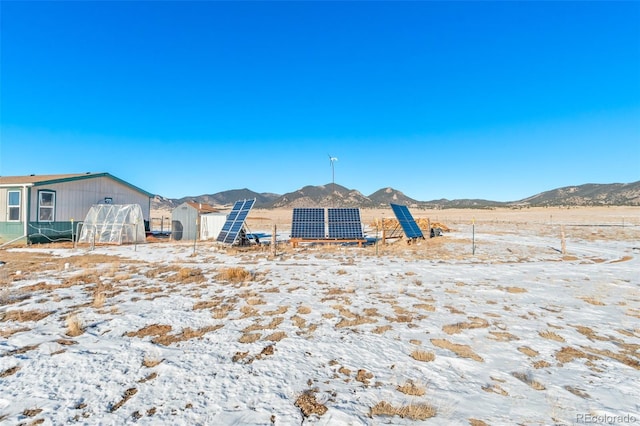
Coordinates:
(615, 194)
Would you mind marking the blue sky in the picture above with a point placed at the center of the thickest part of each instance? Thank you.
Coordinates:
(494, 100)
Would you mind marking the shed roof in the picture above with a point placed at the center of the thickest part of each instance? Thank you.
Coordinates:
(203, 208)
(38, 180)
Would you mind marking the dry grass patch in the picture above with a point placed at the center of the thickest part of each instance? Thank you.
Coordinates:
(541, 364)
(304, 310)
(19, 315)
(550, 335)
(526, 378)
(187, 276)
(128, 394)
(149, 377)
(515, 290)
(589, 333)
(577, 392)
(308, 405)
(281, 310)
(249, 337)
(221, 312)
(463, 351)
(10, 332)
(502, 336)
(75, 327)
(423, 356)
(150, 330)
(410, 388)
(186, 334)
(98, 299)
(454, 310)
(411, 411)
(363, 376)
(298, 321)
(358, 320)
(592, 301)
(32, 412)
(425, 307)
(248, 311)
(235, 275)
(22, 350)
(276, 337)
(528, 351)
(475, 322)
(620, 357)
(9, 371)
(495, 388)
(239, 356)
(271, 326)
(151, 361)
(476, 422)
(381, 329)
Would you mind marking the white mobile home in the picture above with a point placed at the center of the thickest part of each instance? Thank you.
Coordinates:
(38, 208)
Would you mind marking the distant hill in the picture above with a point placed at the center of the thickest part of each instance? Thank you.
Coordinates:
(614, 194)
(591, 194)
(385, 196)
(322, 196)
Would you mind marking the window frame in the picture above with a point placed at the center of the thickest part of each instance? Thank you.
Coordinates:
(11, 207)
(52, 207)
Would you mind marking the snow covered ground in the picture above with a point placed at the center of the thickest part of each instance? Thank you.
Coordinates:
(516, 333)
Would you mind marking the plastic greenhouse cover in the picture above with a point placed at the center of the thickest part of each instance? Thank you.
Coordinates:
(113, 224)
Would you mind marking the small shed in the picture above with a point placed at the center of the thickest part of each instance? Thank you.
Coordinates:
(193, 220)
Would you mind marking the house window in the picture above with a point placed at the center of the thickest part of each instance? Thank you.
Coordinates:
(46, 206)
(13, 205)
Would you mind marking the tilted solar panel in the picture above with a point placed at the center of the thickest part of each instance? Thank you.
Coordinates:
(408, 224)
(235, 220)
(307, 223)
(344, 223)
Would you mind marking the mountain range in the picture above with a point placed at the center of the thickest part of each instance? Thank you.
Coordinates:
(614, 194)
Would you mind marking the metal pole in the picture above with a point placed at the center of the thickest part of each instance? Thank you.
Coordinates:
(473, 236)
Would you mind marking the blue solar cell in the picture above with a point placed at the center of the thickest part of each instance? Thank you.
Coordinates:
(408, 224)
(235, 221)
(307, 223)
(344, 223)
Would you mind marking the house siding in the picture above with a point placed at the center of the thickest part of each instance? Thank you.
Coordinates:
(75, 198)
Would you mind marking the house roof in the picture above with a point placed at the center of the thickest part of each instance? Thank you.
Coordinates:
(38, 180)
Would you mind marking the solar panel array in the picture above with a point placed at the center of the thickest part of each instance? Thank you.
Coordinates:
(344, 223)
(307, 223)
(235, 220)
(408, 224)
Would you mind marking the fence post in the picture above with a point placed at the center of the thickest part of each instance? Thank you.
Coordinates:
(274, 250)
